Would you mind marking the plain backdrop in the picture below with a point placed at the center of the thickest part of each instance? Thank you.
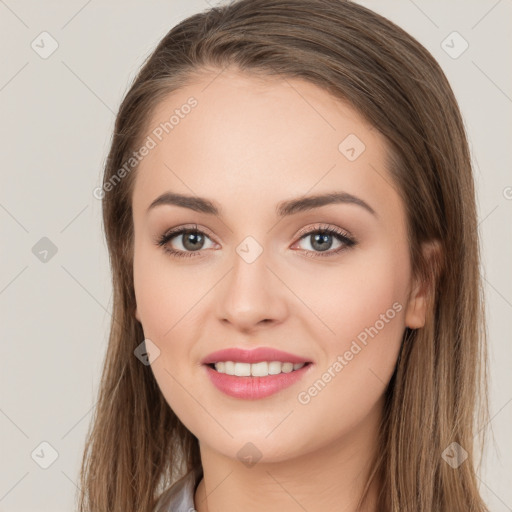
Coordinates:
(56, 119)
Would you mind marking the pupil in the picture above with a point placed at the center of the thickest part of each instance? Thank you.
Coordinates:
(193, 240)
(323, 241)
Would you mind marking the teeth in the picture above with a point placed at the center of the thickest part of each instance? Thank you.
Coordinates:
(274, 367)
(259, 369)
(256, 369)
(242, 369)
(287, 367)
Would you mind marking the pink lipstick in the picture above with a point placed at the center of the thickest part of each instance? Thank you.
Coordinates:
(254, 374)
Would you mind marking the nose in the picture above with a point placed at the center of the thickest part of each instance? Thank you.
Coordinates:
(251, 296)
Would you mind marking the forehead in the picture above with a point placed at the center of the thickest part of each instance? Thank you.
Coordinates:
(241, 138)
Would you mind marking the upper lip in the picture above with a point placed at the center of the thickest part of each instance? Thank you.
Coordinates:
(256, 355)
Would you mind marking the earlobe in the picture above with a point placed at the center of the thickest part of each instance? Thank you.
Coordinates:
(137, 314)
(416, 308)
(416, 312)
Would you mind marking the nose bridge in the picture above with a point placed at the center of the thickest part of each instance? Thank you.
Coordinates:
(251, 293)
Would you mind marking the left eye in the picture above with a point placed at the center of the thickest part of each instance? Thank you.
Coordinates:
(321, 241)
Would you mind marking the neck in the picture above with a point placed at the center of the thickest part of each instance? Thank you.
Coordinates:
(330, 478)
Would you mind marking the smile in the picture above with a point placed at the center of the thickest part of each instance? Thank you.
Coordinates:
(254, 374)
(256, 369)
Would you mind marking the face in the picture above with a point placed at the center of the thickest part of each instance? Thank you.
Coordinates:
(328, 282)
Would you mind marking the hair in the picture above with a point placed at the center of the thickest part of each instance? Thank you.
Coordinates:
(136, 446)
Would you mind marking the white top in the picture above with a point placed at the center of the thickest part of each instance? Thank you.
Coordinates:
(180, 496)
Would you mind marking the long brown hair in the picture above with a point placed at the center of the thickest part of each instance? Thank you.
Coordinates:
(136, 445)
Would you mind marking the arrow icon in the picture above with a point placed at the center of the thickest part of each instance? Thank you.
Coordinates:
(44, 455)
(454, 45)
(44, 45)
(450, 454)
(351, 147)
(249, 249)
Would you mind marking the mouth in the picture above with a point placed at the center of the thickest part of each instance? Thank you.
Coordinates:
(254, 381)
(254, 374)
(259, 369)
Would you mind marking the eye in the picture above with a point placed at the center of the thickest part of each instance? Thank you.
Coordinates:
(322, 238)
(192, 241)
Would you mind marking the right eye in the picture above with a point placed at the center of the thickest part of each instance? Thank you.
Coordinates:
(192, 242)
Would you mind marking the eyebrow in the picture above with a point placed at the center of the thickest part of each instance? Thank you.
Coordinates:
(283, 209)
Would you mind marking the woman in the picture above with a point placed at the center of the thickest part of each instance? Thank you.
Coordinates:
(298, 323)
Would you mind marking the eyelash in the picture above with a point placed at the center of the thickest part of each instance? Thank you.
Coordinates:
(323, 229)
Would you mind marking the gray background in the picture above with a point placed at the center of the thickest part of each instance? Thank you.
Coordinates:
(57, 116)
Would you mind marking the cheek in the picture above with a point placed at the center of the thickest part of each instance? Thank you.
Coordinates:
(164, 293)
(354, 294)
(364, 304)
(169, 300)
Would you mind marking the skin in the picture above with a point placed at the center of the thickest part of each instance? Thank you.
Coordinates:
(249, 144)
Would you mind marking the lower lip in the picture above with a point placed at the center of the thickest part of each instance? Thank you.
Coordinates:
(253, 388)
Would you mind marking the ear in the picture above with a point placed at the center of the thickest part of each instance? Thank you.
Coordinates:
(416, 312)
(137, 314)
